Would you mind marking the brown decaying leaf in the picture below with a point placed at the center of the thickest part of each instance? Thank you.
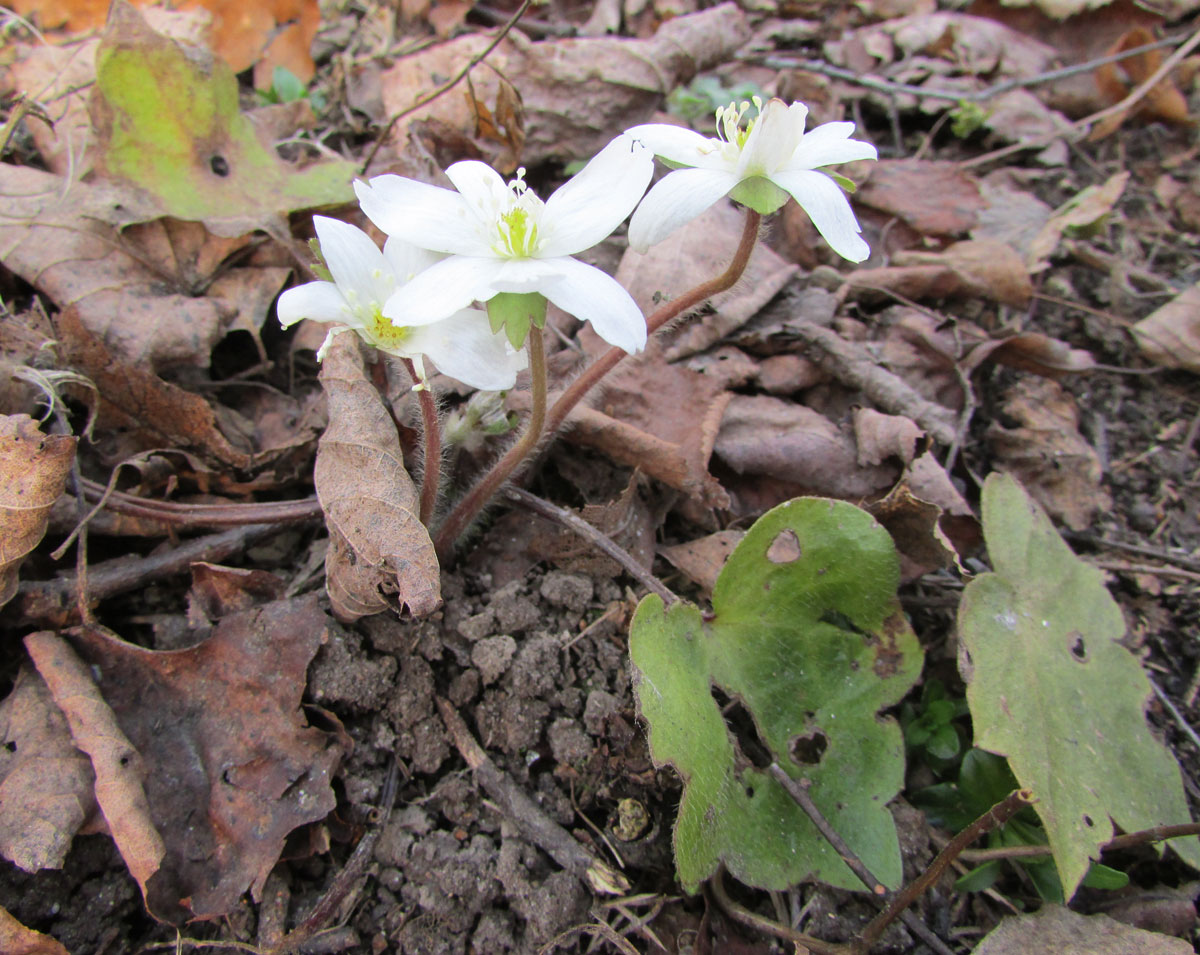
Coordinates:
(932, 198)
(626, 520)
(1056, 929)
(211, 746)
(881, 436)
(1047, 454)
(119, 768)
(694, 255)
(1163, 102)
(264, 34)
(46, 784)
(577, 93)
(977, 268)
(61, 239)
(1170, 335)
(134, 397)
(16, 939)
(1079, 212)
(701, 560)
(779, 439)
(377, 544)
(219, 591)
(660, 418)
(33, 472)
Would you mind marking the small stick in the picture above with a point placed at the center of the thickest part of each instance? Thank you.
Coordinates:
(527, 815)
(752, 920)
(997, 816)
(445, 87)
(602, 542)
(1127, 841)
(203, 515)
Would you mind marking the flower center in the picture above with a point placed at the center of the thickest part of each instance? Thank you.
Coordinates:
(383, 332)
(729, 122)
(517, 226)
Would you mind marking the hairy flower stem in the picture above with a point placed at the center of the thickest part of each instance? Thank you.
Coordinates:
(469, 507)
(669, 312)
(431, 435)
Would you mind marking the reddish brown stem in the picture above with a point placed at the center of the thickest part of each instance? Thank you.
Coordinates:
(668, 313)
(469, 507)
(431, 437)
(995, 817)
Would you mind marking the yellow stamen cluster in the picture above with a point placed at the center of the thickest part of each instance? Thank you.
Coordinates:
(729, 121)
(518, 225)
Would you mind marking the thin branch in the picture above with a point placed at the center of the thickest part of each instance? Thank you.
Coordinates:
(1127, 841)
(203, 515)
(595, 537)
(997, 816)
(445, 87)
(716, 885)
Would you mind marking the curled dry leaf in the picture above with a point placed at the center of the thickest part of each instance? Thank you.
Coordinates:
(880, 436)
(33, 472)
(576, 93)
(932, 198)
(701, 560)
(46, 784)
(377, 544)
(1047, 454)
(206, 746)
(1082, 211)
(1054, 928)
(978, 268)
(16, 939)
(1163, 101)
(1170, 335)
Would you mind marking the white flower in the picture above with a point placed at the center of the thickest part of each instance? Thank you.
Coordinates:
(504, 239)
(759, 166)
(461, 343)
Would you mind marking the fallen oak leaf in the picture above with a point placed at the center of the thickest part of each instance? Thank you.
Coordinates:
(16, 939)
(33, 472)
(230, 765)
(377, 544)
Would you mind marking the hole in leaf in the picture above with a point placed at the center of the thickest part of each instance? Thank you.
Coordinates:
(785, 548)
(809, 749)
(10, 746)
(740, 723)
(1087, 821)
(1078, 647)
(219, 165)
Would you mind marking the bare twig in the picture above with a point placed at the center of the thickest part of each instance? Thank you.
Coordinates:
(716, 885)
(1127, 841)
(997, 816)
(527, 815)
(602, 542)
(203, 515)
(1122, 567)
(447, 86)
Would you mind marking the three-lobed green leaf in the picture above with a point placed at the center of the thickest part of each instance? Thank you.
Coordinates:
(807, 635)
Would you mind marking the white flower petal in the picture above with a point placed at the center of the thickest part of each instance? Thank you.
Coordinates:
(829, 144)
(320, 301)
(592, 203)
(828, 208)
(441, 290)
(464, 347)
(674, 143)
(592, 296)
(358, 267)
(427, 216)
(407, 259)
(523, 275)
(676, 200)
(481, 186)
(776, 134)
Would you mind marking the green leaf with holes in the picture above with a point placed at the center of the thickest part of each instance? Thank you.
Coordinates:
(167, 120)
(807, 642)
(1051, 688)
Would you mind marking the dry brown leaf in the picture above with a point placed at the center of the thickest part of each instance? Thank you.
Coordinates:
(219, 591)
(701, 560)
(1047, 454)
(1079, 212)
(135, 398)
(1032, 352)
(119, 768)
(46, 784)
(59, 239)
(659, 418)
(972, 269)
(881, 436)
(626, 520)
(226, 764)
(1014, 215)
(33, 472)
(932, 198)
(577, 93)
(1116, 80)
(16, 939)
(269, 34)
(1170, 335)
(1059, 930)
(694, 255)
(377, 544)
(789, 442)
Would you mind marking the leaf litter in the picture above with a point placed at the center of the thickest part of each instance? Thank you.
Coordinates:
(982, 335)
